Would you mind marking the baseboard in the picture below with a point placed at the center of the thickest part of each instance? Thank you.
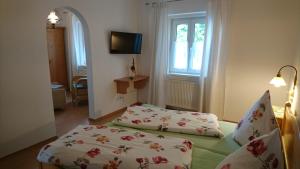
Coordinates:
(42, 143)
(109, 115)
(113, 114)
(229, 121)
(179, 108)
(28, 139)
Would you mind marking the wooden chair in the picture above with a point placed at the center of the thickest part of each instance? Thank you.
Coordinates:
(79, 89)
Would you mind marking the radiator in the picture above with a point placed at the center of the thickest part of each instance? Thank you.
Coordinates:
(182, 94)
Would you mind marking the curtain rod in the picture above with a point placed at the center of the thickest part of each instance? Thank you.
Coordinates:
(152, 3)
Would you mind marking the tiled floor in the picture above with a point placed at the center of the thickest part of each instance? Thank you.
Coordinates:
(65, 121)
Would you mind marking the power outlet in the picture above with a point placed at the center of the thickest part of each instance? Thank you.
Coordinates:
(120, 97)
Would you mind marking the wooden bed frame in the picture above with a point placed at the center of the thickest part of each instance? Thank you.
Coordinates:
(290, 140)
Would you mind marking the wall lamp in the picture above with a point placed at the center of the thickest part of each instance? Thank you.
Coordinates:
(278, 81)
(53, 19)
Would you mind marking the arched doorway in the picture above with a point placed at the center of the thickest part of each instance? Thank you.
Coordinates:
(70, 66)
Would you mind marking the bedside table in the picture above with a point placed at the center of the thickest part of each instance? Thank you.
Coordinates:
(279, 114)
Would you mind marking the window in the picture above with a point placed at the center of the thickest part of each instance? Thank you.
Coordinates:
(78, 42)
(187, 42)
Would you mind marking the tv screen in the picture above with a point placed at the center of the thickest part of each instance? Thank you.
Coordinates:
(125, 43)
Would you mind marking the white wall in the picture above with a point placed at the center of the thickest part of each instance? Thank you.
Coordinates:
(188, 6)
(26, 111)
(264, 36)
(116, 15)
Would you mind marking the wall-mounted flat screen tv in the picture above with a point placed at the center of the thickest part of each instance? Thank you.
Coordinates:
(125, 43)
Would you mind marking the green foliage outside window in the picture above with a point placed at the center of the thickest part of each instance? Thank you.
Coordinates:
(199, 32)
(182, 32)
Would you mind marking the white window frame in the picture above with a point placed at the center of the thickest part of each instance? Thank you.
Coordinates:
(176, 20)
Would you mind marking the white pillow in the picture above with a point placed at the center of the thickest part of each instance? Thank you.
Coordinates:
(259, 120)
(264, 152)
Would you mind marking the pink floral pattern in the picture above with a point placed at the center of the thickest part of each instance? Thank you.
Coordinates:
(136, 121)
(159, 159)
(264, 152)
(127, 138)
(226, 166)
(257, 114)
(181, 123)
(155, 118)
(181, 167)
(80, 142)
(188, 144)
(258, 120)
(114, 148)
(185, 146)
(101, 127)
(93, 152)
(257, 147)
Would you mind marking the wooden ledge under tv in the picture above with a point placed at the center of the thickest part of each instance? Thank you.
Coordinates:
(139, 81)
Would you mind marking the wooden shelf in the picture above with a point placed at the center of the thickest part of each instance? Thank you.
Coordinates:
(139, 82)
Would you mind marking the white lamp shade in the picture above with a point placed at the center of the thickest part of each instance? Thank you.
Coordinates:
(53, 18)
(278, 81)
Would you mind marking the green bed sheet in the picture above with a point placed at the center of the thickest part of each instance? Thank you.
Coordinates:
(205, 159)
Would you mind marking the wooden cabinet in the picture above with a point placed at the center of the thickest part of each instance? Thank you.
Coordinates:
(57, 57)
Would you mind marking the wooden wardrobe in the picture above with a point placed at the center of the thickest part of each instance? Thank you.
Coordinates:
(57, 56)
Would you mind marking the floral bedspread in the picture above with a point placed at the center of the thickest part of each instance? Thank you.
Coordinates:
(154, 118)
(103, 147)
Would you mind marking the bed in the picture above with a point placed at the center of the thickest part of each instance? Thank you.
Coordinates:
(208, 152)
(224, 145)
(156, 118)
(102, 146)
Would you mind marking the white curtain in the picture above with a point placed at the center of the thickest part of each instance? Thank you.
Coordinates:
(212, 79)
(78, 47)
(159, 54)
